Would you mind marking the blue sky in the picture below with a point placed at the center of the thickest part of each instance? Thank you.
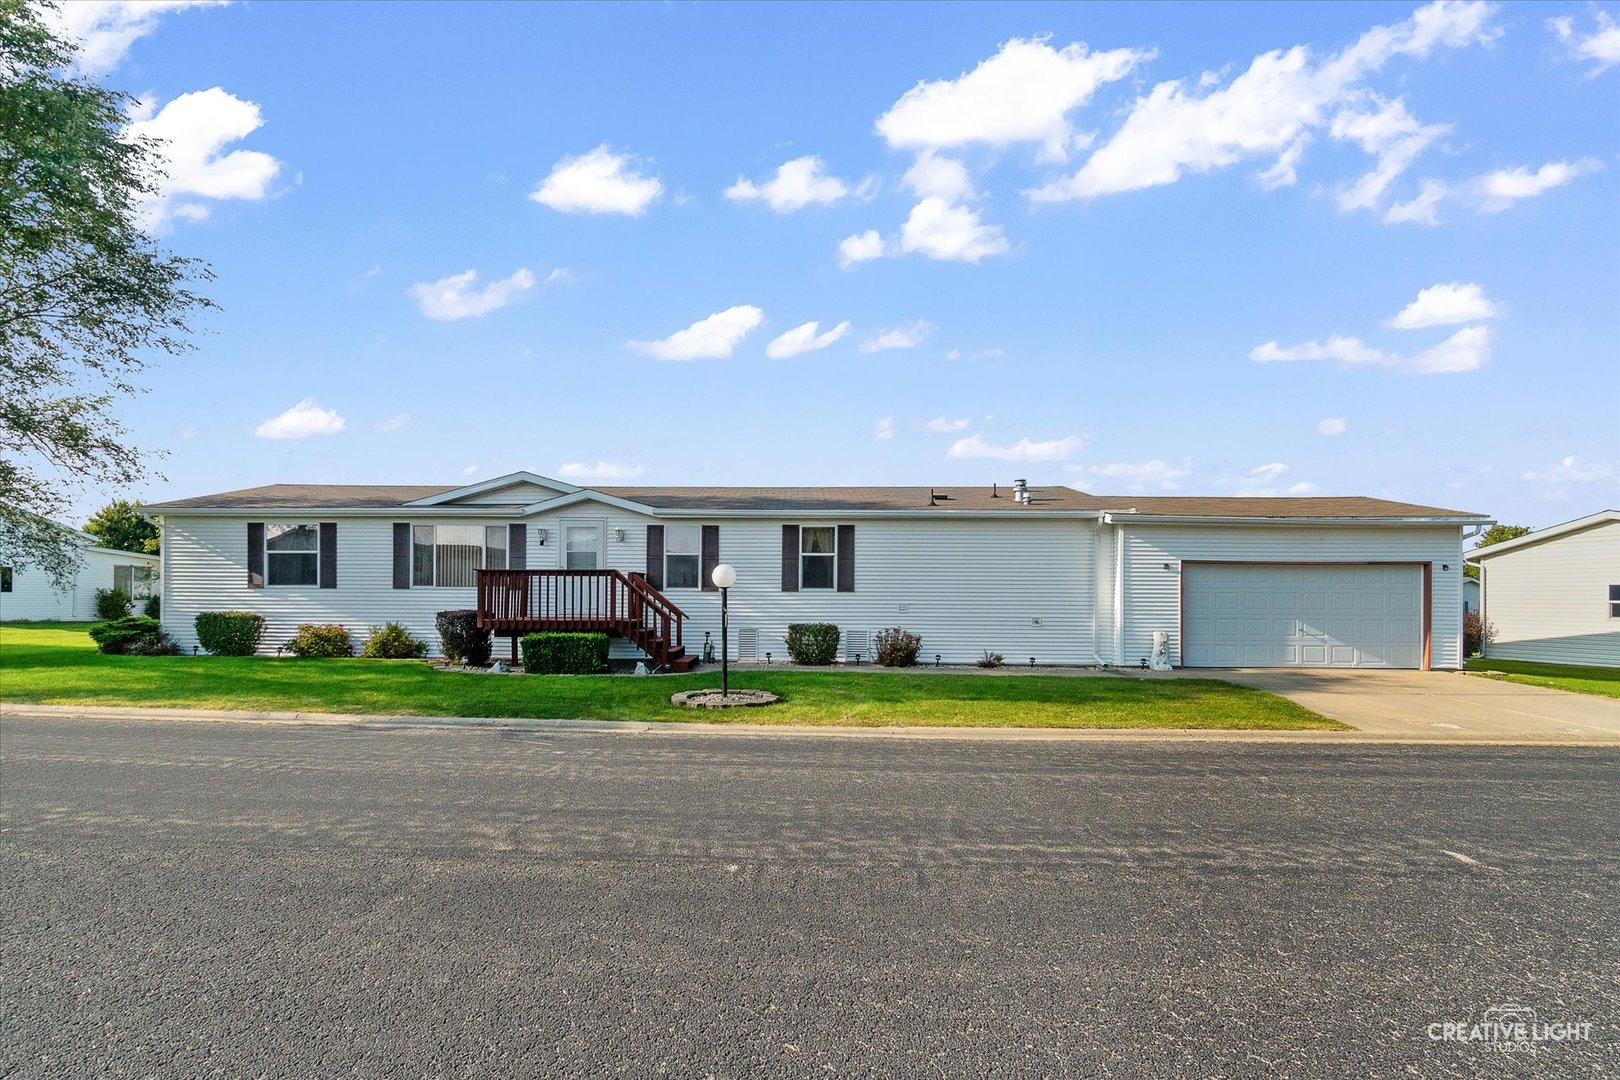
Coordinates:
(1316, 249)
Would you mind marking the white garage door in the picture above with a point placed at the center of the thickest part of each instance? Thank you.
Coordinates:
(1270, 615)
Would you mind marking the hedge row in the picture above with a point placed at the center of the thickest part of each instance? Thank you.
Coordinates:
(564, 654)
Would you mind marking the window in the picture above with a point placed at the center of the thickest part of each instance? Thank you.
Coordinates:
(494, 547)
(5, 579)
(818, 554)
(682, 569)
(581, 546)
(450, 556)
(292, 555)
(1614, 601)
(135, 581)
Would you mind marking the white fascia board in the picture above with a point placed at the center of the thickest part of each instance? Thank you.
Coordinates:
(495, 484)
(1114, 518)
(144, 556)
(845, 515)
(579, 495)
(1551, 532)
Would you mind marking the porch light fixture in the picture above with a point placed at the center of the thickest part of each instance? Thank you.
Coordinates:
(618, 536)
(724, 577)
(540, 537)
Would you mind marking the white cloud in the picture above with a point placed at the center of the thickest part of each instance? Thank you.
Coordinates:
(1557, 480)
(883, 430)
(939, 177)
(944, 425)
(712, 338)
(1262, 482)
(469, 470)
(1422, 208)
(1504, 187)
(901, 337)
(395, 422)
(942, 231)
(1391, 135)
(105, 29)
(804, 338)
(1469, 349)
(598, 182)
(602, 470)
(300, 422)
(1333, 425)
(859, 248)
(797, 184)
(1139, 476)
(1024, 93)
(1601, 45)
(975, 448)
(1269, 109)
(194, 130)
(1343, 350)
(1466, 350)
(561, 276)
(190, 431)
(458, 296)
(1490, 193)
(1445, 305)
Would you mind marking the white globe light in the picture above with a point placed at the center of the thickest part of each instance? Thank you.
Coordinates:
(724, 576)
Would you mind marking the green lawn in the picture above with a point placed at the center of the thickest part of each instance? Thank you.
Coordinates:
(56, 663)
(1581, 680)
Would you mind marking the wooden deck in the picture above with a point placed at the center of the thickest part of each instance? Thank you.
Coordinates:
(512, 603)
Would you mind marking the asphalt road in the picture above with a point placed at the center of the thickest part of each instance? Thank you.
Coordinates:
(233, 900)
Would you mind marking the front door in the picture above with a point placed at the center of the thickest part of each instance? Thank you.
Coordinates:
(582, 545)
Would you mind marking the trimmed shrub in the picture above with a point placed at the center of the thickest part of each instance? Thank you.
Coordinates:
(393, 642)
(564, 654)
(989, 659)
(230, 633)
(153, 608)
(896, 647)
(461, 639)
(812, 643)
(132, 635)
(111, 604)
(313, 640)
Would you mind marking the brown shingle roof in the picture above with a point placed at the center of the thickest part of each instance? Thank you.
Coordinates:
(789, 500)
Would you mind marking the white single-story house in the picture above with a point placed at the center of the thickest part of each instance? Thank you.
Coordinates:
(1471, 594)
(1554, 595)
(28, 593)
(1047, 574)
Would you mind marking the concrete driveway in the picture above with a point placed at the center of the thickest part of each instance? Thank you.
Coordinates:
(1441, 705)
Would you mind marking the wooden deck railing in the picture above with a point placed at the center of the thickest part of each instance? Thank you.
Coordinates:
(516, 602)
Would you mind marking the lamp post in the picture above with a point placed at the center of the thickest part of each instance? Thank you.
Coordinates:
(724, 577)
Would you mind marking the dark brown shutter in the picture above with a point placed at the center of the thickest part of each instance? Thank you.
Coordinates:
(655, 556)
(790, 558)
(328, 555)
(255, 554)
(711, 557)
(846, 558)
(402, 554)
(517, 547)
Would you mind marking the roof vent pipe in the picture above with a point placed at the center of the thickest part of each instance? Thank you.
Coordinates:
(1021, 490)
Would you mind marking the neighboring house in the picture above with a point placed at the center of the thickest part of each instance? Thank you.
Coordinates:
(1470, 594)
(1554, 595)
(1049, 573)
(29, 593)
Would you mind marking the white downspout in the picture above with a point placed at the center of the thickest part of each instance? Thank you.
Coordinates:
(1096, 593)
(1119, 595)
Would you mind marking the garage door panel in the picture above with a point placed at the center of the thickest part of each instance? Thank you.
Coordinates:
(1275, 615)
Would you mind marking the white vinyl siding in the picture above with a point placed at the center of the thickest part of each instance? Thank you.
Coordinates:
(1550, 601)
(33, 597)
(1153, 554)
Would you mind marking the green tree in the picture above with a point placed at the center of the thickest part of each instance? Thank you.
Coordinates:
(1494, 535)
(87, 298)
(121, 524)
